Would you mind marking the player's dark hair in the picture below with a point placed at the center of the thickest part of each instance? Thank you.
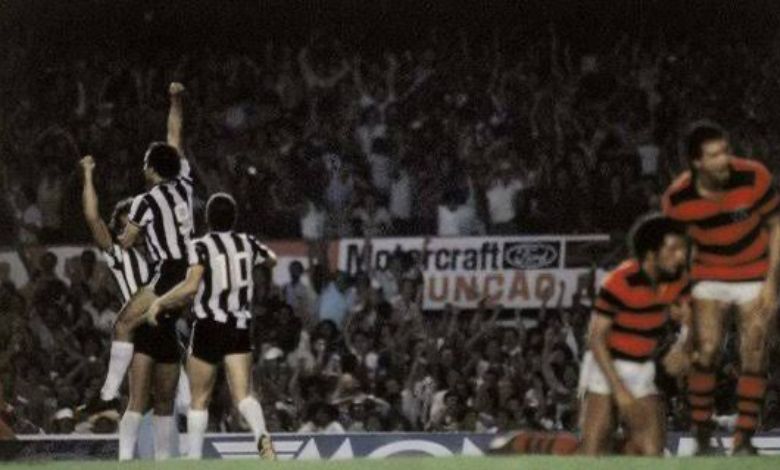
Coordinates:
(700, 135)
(648, 234)
(221, 212)
(122, 208)
(164, 159)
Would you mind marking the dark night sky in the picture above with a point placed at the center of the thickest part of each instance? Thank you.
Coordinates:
(592, 24)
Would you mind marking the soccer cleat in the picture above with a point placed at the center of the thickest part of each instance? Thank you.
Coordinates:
(97, 405)
(743, 447)
(703, 441)
(266, 448)
(744, 450)
(707, 451)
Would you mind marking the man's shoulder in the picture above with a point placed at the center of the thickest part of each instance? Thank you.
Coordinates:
(683, 182)
(616, 278)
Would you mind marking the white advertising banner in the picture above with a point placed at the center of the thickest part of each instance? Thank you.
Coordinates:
(515, 272)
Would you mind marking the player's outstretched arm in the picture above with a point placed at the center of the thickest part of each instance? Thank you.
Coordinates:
(176, 117)
(89, 202)
(180, 295)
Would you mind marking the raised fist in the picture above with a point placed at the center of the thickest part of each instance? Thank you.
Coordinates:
(87, 163)
(175, 89)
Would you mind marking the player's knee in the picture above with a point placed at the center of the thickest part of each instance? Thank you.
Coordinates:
(708, 353)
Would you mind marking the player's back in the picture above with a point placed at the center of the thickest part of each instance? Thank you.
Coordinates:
(225, 292)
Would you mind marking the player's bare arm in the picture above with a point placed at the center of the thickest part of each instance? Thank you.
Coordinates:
(677, 361)
(270, 259)
(179, 295)
(768, 297)
(600, 326)
(176, 117)
(129, 236)
(89, 202)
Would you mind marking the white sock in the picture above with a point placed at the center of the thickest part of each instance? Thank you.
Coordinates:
(128, 434)
(253, 414)
(197, 422)
(121, 356)
(163, 428)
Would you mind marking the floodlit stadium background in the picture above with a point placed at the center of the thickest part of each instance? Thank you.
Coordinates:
(525, 137)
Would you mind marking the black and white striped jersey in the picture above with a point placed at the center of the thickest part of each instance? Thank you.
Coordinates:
(165, 212)
(225, 292)
(130, 268)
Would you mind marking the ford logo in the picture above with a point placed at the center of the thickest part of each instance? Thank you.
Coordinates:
(530, 255)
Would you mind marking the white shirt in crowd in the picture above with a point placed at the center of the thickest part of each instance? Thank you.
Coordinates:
(370, 361)
(366, 134)
(401, 196)
(381, 171)
(374, 224)
(313, 222)
(388, 284)
(30, 216)
(459, 222)
(301, 297)
(103, 319)
(335, 304)
(339, 191)
(501, 200)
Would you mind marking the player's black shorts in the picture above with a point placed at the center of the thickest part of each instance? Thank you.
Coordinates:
(169, 273)
(211, 341)
(158, 342)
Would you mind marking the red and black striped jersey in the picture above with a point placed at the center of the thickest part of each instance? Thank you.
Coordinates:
(729, 233)
(638, 309)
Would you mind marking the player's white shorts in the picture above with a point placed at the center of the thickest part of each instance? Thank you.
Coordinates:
(639, 377)
(730, 292)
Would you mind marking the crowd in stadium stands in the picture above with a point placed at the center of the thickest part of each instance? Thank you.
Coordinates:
(333, 354)
(318, 142)
(451, 139)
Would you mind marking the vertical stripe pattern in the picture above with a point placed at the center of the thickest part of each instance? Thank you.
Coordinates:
(225, 292)
(165, 211)
(130, 269)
